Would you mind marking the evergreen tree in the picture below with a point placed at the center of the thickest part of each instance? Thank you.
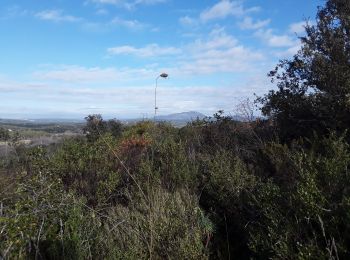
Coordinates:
(4, 134)
(314, 86)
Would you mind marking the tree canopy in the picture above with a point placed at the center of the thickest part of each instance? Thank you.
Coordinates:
(313, 92)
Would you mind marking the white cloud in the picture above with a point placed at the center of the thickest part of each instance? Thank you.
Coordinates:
(219, 52)
(118, 2)
(121, 102)
(59, 16)
(225, 8)
(115, 23)
(217, 39)
(149, 2)
(187, 21)
(274, 40)
(128, 4)
(76, 91)
(299, 27)
(130, 24)
(113, 2)
(56, 16)
(289, 52)
(91, 75)
(150, 50)
(102, 11)
(14, 11)
(248, 23)
(10, 86)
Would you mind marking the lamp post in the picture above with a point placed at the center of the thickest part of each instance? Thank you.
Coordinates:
(163, 75)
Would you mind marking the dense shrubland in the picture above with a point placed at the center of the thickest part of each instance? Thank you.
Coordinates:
(274, 188)
(155, 191)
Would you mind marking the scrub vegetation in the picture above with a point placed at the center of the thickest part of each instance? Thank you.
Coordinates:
(277, 187)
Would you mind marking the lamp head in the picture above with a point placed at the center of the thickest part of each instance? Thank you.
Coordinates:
(164, 75)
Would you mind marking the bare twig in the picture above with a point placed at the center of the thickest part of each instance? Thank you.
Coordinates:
(38, 239)
(7, 250)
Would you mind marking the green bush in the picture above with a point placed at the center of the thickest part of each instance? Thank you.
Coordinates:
(88, 168)
(309, 219)
(41, 221)
(161, 225)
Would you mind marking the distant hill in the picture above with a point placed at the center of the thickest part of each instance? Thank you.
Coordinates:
(183, 117)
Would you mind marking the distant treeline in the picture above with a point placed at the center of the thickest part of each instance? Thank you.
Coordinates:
(50, 128)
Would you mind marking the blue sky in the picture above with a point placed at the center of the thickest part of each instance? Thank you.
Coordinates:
(68, 59)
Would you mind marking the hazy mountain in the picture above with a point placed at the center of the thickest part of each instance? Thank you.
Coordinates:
(184, 116)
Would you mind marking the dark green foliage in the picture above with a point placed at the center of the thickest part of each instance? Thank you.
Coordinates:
(4, 134)
(314, 87)
(176, 167)
(114, 127)
(308, 216)
(83, 203)
(40, 220)
(96, 126)
(88, 168)
(160, 192)
(226, 185)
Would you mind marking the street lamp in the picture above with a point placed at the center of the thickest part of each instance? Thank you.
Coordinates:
(163, 75)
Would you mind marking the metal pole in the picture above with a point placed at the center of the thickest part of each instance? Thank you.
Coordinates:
(163, 75)
(155, 99)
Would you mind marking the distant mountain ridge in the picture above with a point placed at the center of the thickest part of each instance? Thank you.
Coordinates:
(183, 116)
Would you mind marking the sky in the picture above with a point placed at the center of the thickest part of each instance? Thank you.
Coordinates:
(69, 59)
